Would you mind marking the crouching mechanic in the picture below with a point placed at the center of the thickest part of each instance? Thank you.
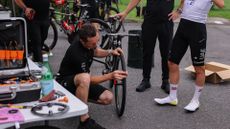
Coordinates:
(75, 72)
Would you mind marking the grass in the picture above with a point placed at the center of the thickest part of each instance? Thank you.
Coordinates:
(215, 12)
(224, 13)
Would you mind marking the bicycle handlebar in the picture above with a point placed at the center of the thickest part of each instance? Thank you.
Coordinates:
(122, 34)
(114, 18)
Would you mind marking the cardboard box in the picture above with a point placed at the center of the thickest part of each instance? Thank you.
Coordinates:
(215, 72)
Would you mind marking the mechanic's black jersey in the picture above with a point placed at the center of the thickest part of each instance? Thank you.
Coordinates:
(41, 8)
(158, 10)
(77, 59)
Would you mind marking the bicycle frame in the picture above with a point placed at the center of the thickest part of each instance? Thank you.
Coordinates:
(115, 41)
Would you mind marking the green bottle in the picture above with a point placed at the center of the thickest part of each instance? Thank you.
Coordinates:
(47, 83)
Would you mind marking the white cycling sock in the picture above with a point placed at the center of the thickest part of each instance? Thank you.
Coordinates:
(173, 91)
(197, 92)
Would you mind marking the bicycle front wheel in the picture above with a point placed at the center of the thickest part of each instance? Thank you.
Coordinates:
(120, 86)
(52, 37)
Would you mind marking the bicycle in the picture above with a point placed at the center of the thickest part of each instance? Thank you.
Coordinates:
(70, 23)
(113, 63)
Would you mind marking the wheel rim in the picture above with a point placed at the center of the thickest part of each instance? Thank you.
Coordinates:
(120, 89)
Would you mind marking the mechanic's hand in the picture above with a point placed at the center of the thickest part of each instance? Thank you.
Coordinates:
(29, 12)
(121, 16)
(174, 15)
(119, 75)
(117, 51)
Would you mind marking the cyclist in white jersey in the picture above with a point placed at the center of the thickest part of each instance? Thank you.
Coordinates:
(191, 33)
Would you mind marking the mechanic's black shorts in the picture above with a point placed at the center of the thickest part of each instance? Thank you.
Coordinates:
(94, 90)
(189, 34)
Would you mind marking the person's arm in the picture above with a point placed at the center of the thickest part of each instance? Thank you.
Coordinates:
(98, 52)
(118, 74)
(21, 4)
(176, 13)
(29, 12)
(132, 4)
(219, 3)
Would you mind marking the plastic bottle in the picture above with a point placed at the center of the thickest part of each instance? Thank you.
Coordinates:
(47, 83)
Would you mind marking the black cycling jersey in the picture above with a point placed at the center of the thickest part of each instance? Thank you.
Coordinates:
(158, 10)
(77, 59)
(41, 8)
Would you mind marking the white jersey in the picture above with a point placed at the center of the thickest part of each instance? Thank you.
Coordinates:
(196, 10)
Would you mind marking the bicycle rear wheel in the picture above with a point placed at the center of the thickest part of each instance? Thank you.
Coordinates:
(120, 86)
(52, 37)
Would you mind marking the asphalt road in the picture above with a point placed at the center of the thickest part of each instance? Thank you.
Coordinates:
(141, 111)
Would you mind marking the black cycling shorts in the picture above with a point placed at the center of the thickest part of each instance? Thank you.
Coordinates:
(189, 34)
(94, 90)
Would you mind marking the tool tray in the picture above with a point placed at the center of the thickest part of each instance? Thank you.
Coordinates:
(17, 84)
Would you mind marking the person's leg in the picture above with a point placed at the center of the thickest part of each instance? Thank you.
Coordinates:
(100, 95)
(44, 31)
(95, 93)
(82, 82)
(199, 85)
(178, 49)
(29, 32)
(35, 37)
(198, 49)
(174, 80)
(149, 35)
(165, 40)
(93, 10)
(106, 97)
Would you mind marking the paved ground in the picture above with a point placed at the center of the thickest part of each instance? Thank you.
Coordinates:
(141, 111)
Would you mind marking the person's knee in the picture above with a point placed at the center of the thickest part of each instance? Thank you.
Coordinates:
(82, 80)
(106, 97)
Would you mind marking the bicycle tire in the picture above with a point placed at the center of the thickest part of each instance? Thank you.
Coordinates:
(104, 29)
(120, 86)
(52, 37)
(117, 26)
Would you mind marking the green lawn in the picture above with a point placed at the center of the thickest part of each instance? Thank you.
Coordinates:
(215, 12)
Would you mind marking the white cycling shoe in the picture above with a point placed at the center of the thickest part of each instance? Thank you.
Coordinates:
(192, 106)
(167, 100)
